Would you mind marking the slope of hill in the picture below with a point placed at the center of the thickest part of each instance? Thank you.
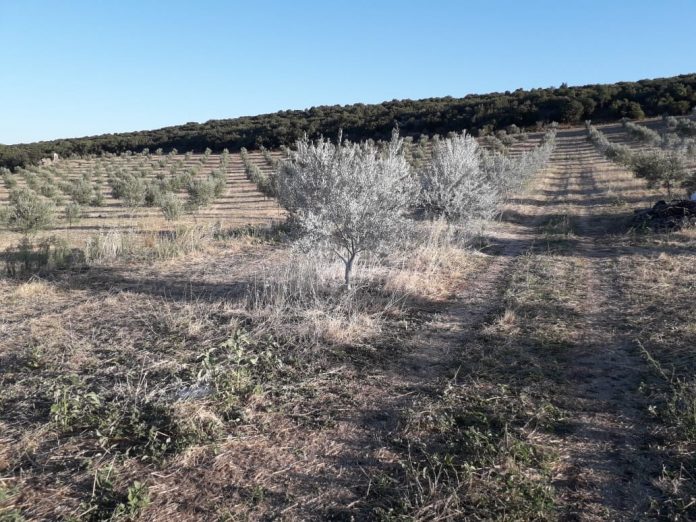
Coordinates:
(548, 374)
(477, 113)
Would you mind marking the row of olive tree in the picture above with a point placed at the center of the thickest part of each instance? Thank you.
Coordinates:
(641, 132)
(664, 167)
(683, 127)
(357, 197)
(265, 182)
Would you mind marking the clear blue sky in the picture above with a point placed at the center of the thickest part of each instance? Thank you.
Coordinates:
(75, 68)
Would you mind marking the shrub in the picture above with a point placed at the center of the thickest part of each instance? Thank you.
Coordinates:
(452, 183)
(268, 157)
(665, 169)
(49, 253)
(81, 192)
(219, 180)
(685, 128)
(264, 183)
(130, 189)
(48, 190)
(153, 193)
(642, 133)
(180, 181)
(98, 198)
(612, 151)
(9, 179)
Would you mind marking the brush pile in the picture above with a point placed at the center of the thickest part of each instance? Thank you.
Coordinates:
(667, 217)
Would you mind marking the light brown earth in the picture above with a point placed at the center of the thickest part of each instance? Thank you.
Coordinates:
(518, 392)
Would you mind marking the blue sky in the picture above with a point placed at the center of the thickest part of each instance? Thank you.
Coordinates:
(75, 68)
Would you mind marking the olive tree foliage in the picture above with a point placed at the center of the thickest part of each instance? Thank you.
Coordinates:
(612, 151)
(453, 183)
(684, 127)
(661, 168)
(641, 133)
(73, 213)
(664, 167)
(464, 182)
(350, 196)
(508, 174)
(28, 212)
(171, 206)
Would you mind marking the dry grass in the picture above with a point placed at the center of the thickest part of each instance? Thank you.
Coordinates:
(478, 447)
(32, 291)
(428, 269)
(100, 380)
(201, 373)
(659, 289)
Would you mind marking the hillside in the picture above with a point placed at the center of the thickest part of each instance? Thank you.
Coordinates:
(476, 113)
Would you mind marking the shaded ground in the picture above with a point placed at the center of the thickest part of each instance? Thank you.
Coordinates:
(521, 397)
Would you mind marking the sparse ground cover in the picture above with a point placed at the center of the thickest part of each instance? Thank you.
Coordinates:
(543, 371)
(124, 192)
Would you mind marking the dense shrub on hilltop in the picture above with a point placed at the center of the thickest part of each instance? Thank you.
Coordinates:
(477, 113)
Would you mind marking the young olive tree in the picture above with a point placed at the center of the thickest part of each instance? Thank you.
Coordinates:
(171, 206)
(28, 212)
(73, 213)
(350, 196)
(453, 184)
(641, 133)
(660, 168)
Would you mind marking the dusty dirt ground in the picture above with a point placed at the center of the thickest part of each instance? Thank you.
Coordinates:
(525, 393)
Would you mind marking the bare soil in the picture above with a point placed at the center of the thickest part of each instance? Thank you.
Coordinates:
(519, 396)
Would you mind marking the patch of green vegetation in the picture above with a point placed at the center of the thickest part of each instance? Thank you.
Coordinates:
(236, 369)
(467, 457)
(47, 254)
(127, 423)
(108, 503)
(8, 513)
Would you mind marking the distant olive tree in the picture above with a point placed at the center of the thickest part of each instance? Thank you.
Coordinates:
(350, 196)
(171, 206)
(73, 213)
(82, 192)
(201, 193)
(665, 168)
(660, 168)
(28, 212)
(641, 133)
(9, 179)
(133, 192)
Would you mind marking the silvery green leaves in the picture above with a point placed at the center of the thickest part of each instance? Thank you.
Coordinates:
(453, 182)
(465, 182)
(28, 212)
(351, 196)
(354, 198)
(664, 167)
